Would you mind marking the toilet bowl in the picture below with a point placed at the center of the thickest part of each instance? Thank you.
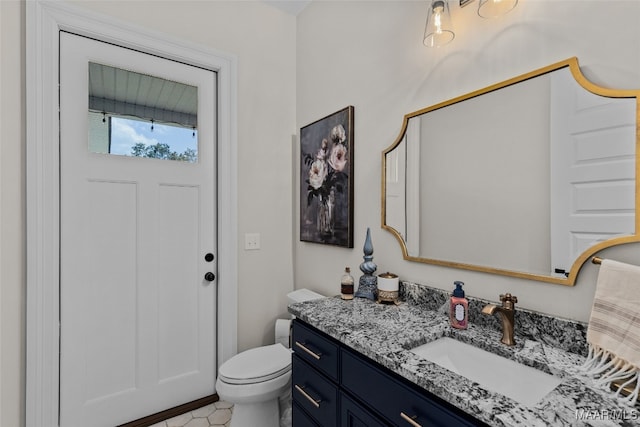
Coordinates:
(256, 380)
(253, 380)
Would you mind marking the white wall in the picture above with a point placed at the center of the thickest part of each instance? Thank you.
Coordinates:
(263, 39)
(369, 54)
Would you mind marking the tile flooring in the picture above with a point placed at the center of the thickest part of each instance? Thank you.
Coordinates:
(217, 414)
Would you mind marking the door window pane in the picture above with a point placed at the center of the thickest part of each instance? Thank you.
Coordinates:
(133, 114)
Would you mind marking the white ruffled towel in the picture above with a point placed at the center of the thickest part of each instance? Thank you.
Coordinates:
(613, 334)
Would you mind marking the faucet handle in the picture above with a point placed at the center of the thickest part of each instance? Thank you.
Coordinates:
(508, 300)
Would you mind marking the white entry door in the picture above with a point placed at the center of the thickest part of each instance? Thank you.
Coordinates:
(137, 304)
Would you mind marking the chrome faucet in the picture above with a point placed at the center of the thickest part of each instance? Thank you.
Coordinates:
(506, 312)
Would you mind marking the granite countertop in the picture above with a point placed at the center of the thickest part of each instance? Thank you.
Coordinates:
(385, 333)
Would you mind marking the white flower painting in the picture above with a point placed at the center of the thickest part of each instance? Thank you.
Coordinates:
(326, 185)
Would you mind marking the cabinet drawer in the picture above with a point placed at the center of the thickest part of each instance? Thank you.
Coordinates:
(318, 350)
(314, 393)
(398, 403)
(299, 418)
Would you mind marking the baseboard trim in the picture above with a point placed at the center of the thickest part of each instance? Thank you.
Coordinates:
(173, 412)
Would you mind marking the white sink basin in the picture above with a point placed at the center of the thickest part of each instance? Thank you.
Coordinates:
(521, 383)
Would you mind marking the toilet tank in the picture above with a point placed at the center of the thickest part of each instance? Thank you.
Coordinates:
(301, 295)
(283, 326)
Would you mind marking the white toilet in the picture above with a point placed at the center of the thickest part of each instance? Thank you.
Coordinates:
(255, 379)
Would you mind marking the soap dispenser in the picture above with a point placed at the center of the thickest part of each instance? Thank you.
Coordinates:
(459, 310)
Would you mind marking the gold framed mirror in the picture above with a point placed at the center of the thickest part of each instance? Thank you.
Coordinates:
(525, 178)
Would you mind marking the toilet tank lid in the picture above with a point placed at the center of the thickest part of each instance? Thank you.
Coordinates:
(300, 295)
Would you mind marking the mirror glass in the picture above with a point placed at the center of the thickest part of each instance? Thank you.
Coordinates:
(133, 114)
(525, 178)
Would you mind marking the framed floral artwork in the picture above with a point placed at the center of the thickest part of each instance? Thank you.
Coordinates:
(326, 180)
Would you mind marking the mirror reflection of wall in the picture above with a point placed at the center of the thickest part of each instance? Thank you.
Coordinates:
(485, 178)
(522, 177)
(133, 114)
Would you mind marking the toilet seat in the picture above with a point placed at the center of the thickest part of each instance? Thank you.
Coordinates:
(256, 365)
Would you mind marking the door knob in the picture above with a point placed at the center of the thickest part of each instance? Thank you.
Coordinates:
(209, 277)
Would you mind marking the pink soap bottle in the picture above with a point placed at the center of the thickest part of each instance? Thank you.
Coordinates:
(459, 310)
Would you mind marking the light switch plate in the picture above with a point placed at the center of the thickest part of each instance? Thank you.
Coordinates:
(251, 241)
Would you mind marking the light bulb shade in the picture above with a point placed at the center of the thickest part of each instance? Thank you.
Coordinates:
(495, 8)
(438, 30)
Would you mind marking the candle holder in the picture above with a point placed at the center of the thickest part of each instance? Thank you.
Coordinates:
(388, 285)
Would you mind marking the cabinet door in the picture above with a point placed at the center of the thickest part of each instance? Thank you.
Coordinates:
(354, 415)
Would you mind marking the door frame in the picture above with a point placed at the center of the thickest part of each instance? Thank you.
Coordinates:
(44, 21)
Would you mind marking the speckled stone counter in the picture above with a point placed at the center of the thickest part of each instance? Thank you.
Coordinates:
(385, 333)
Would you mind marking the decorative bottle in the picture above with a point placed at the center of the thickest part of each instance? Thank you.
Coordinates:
(459, 311)
(346, 284)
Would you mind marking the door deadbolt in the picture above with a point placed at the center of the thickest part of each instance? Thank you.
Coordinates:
(209, 257)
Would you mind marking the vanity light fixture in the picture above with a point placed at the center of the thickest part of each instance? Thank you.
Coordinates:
(495, 8)
(438, 30)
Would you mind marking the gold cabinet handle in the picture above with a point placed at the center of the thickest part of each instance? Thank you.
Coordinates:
(409, 419)
(314, 402)
(311, 353)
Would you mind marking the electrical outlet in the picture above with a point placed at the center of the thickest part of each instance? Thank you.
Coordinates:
(251, 241)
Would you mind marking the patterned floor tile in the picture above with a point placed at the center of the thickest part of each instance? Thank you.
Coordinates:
(217, 414)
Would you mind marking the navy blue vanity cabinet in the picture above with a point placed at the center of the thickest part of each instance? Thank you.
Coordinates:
(317, 349)
(299, 417)
(333, 385)
(352, 414)
(314, 392)
(394, 398)
(314, 376)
